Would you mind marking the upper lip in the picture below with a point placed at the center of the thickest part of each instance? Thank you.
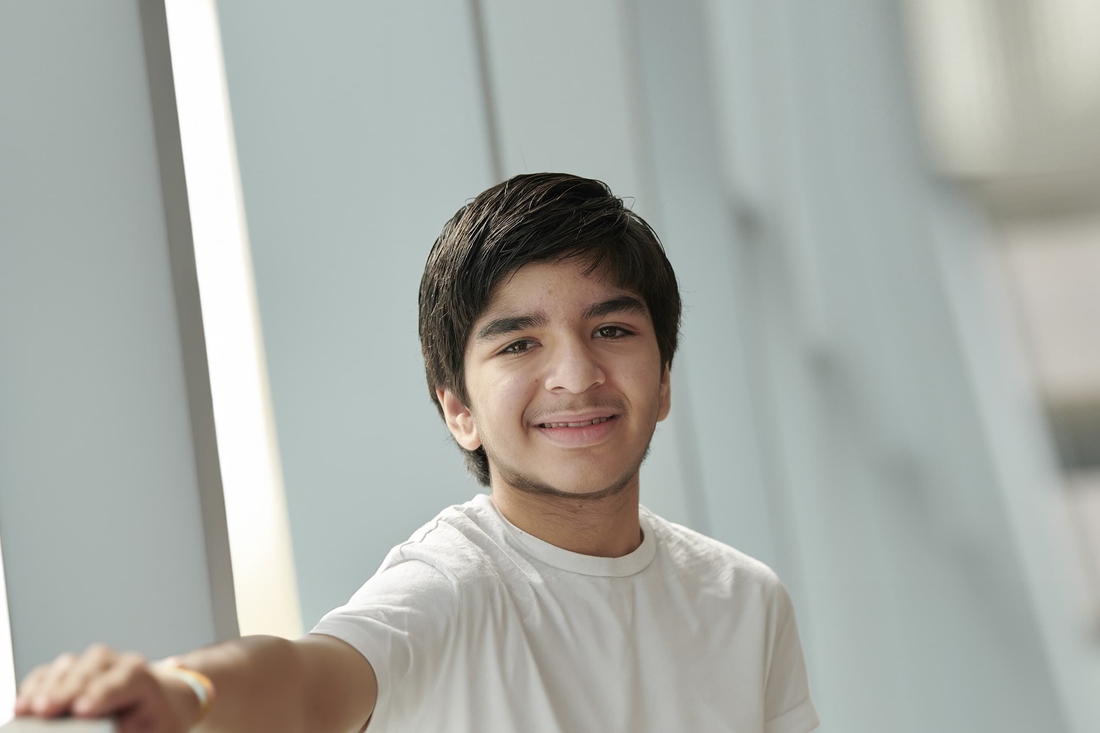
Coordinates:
(574, 417)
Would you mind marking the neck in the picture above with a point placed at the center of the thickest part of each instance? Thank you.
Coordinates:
(603, 527)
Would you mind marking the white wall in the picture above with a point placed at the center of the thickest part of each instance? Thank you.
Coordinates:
(360, 131)
(838, 412)
(99, 483)
(825, 412)
(908, 451)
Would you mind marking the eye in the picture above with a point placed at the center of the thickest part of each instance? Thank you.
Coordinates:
(611, 332)
(518, 347)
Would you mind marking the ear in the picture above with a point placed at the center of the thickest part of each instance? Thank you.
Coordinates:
(666, 393)
(459, 419)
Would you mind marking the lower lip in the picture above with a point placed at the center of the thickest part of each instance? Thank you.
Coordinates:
(580, 436)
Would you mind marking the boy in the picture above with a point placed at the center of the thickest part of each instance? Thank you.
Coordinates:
(549, 318)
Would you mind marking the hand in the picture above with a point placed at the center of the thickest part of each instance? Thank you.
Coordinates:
(101, 683)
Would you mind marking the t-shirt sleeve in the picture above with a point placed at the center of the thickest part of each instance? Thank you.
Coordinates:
(401, 620)
(787, 704)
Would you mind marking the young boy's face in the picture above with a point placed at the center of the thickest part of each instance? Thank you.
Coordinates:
(565, 383)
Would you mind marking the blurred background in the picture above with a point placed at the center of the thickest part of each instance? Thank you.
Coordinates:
(885, 219)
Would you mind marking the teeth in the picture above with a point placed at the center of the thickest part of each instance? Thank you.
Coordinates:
(597, 421)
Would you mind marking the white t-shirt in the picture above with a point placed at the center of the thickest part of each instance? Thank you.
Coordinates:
(475, 625)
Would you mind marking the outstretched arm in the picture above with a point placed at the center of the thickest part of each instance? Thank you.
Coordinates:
(317, 684)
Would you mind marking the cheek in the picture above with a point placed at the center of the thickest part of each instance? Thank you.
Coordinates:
(643, 380)
(503, 399)
(638, 363)
(513, 393)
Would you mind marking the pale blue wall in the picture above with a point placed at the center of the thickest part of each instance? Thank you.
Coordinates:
(99, 507)
(826, 416)
(919, 613)
(359, 133)
(839, 406)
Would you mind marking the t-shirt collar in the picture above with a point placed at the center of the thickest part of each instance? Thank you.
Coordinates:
(575, 562)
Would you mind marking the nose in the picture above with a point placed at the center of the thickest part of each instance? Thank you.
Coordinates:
(573, 368)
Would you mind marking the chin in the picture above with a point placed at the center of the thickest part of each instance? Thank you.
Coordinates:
(582, 484)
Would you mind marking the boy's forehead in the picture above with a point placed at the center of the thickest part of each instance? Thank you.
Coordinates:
(525, 286)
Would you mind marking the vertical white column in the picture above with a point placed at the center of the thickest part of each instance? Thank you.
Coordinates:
(7, 659)
(259, 533)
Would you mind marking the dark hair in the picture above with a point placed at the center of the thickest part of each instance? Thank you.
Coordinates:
(540, 217)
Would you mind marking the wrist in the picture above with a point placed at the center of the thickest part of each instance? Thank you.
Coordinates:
(190, 692)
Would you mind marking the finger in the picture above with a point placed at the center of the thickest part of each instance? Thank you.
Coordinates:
(124, 685)
(29, 689)
(74, 679)
(42, 699)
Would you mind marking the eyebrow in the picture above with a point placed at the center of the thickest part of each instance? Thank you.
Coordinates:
(621, 304)
(510, 324)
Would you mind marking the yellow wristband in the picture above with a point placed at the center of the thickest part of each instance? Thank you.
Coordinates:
(197, 681)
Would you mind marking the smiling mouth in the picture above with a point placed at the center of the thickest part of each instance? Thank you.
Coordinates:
(584, 424)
